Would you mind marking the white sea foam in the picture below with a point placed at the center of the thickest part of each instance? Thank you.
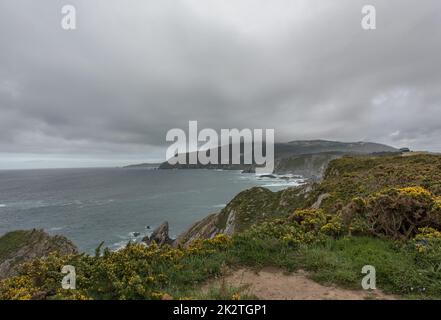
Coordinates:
(27, 204)
(130, 237)
(119, 245)
(56, 228)
(283, 184)
(2, 205)
(219, 205)
(282, 181)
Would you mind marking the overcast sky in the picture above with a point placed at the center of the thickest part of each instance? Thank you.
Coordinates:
(106, 93)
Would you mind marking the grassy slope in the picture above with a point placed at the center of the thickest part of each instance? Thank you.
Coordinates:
(348, 177)
(12, 242)
(137, 272)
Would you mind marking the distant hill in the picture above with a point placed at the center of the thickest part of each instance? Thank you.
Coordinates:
(143, 166)
(318, 146)
(345, 179)
(308, 158)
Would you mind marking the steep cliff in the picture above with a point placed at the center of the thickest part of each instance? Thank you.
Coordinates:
(311, 166)
(20, 246)
(308, 158)
(247, 208)
(344, 179)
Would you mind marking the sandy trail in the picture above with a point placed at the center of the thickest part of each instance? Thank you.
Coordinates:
(275, 284)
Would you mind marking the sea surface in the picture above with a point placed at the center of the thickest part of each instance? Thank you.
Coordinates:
(115, 204)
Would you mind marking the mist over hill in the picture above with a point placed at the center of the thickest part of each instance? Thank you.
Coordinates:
(298, 147)
(308, 158)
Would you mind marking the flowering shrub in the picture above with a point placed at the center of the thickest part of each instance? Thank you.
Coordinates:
(162, 272)
(290, 233)
(135, 272)
(427, 244)
(207, 246)
(319, 221)
(310, 219)
(394, 212)
(333, 227)
(17, 288)
(302, 227)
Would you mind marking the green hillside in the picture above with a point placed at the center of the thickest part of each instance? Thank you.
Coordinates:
(379, 211)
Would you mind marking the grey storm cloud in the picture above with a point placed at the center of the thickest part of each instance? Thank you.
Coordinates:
(110, 90)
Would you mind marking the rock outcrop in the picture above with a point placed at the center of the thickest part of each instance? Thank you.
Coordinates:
(306, 158)
(318, 203)
(159, 235)
(21, 246)
(247, 208)
(311, 166)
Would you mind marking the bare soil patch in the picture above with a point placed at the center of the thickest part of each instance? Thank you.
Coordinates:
(276, 284)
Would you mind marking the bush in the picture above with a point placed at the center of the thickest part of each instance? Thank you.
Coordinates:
(394, 212)
(302, 227)
(427, 244)
(135, 272)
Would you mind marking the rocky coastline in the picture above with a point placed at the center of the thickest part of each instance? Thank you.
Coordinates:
(363, 203)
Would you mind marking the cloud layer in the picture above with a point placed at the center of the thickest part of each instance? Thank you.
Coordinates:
(108, 92)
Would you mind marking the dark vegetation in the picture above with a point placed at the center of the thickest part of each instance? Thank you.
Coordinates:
(381, 211)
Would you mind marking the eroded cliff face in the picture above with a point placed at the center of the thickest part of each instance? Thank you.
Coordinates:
(160, 235)
(247, 208)
(344, 179)
(310, 166)
(306, 158)
(21, 246)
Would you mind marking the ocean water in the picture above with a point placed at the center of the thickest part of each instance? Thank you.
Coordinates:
(113, 204)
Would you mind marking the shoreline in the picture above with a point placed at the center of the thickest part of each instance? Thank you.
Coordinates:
(179, 211)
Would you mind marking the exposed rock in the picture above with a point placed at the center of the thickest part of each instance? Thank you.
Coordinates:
(268, 176)
(159, 235)
(320, 198)
(230, 225)
(311, 166)
(21, 246)
(306, 158)
(250, 169)
(247, 208)
(307, 189)
(204, 229)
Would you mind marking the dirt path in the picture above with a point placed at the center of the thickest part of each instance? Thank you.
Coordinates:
(275, 284)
